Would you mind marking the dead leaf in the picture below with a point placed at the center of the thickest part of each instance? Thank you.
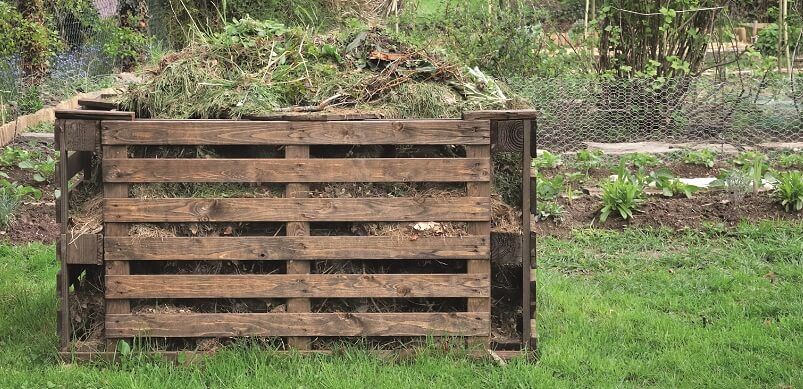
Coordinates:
(771, 276)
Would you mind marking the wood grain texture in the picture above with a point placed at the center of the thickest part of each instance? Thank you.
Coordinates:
(516, 114)
(113, 191)
(295, 305)
(298, 286)
(297, 324)
(281, 248)
(82, 135)
(297, 210)
(83, 249)
(87, 114)
(482, 228)
(230, 132)
(527, 196)
(63, 215)
(297, 170)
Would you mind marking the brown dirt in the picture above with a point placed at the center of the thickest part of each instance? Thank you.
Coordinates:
(675, 213)
(34, 221)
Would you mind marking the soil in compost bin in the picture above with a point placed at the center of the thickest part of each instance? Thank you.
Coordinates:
(87, 309)
(34, 220)
(715, 207)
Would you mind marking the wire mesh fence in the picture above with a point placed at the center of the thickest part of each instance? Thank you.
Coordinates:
(745, 110)
(80, 62)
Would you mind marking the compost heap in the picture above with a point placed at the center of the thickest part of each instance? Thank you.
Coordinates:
(260, 67)
(257, 68)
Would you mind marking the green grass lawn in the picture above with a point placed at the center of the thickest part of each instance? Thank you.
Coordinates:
(636, 308)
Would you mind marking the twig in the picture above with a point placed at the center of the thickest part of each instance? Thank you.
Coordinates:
(658, 13)
(312, 108)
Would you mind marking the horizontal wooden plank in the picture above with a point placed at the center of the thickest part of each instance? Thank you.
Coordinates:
(83, 249)
(93, 114)
(281, 248)
(515, 114)
(298, 285)
(231, 132)
(297, 324)
(297, 170)
(296, 209)
(98, 104)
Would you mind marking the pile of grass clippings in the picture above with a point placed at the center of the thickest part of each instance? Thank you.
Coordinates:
(260, 67)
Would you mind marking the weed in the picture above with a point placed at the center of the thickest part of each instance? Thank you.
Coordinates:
(548, 189)
(588, 159)
(789, 190)
(546, 210)
(791, 160)
(755, 165)
(43, 170)
(623, 195)
(11, 195)
(669, 185)
(704, 157)
(642, 160)
(546, 160)
(11, 156)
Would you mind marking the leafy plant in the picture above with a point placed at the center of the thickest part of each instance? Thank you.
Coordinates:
(623, 195)
(548, 189)
(11, 156)
(669, 185)
(791, 160)
(642, 160)
(704, 157)
(588, 159)
(789, 190)
(546, 210)
(43, 170)
(755, 164)
(11, 195)
(546, 160)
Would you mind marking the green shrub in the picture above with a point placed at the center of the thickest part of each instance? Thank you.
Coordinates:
(623, 195)
(789, 190)
(704, 157)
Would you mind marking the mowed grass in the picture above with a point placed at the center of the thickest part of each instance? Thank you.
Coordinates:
(638, 308)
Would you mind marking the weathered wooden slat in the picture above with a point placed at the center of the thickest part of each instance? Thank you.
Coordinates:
(297, 324)
(229, 132)
(111, 191)
(98, 104)
(78, 161)
(297, 170)
(298, 286)
(300, 210)
(516, 114)
(93, 115)
(482, 228)
(281, 248)
(84, 249)
(296, 305)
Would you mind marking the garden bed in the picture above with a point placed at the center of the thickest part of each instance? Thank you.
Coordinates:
(33, 217)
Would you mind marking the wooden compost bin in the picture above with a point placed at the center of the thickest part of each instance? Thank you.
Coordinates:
(106, 137)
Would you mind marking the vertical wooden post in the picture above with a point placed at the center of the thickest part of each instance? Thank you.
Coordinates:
(527, 266)
(298, 305)
(111, 191)
(483, 266)
(64, 204)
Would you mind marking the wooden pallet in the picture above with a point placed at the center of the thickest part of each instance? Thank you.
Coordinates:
(297, 249)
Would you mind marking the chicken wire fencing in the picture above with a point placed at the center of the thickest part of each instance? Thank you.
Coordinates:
(87, 31)
(740, 111)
